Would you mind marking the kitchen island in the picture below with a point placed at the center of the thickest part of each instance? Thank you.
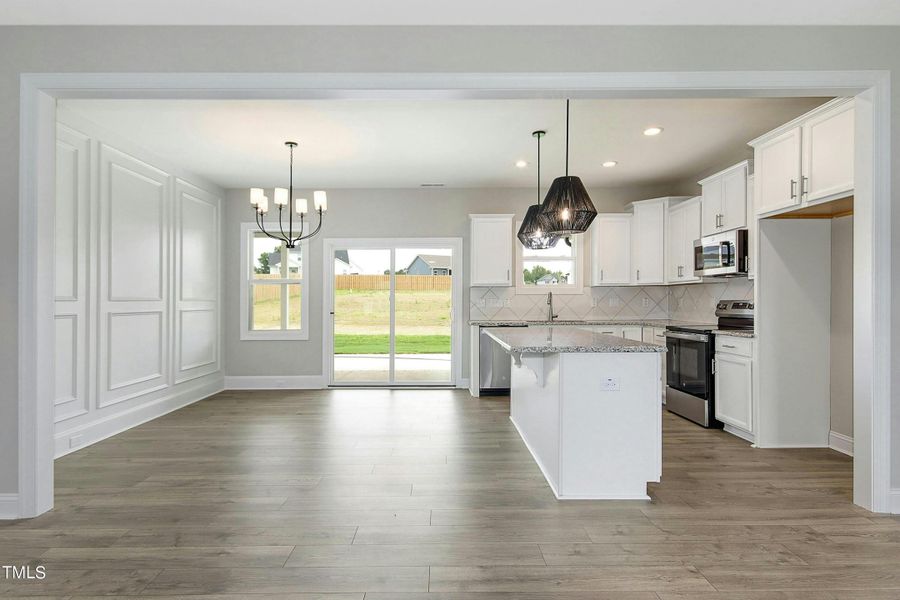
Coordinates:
(587, 406)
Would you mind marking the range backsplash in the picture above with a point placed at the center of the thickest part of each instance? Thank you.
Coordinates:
(696, 302)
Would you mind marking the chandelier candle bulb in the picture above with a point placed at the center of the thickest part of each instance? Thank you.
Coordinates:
(256, 194)
(281, 196)
(263, 205)
(301, 206)
(320, 200)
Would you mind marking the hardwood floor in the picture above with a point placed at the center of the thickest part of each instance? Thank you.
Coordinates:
(431, 495)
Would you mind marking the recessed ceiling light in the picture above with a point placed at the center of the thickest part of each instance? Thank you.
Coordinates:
(653, 131)
(610, 163)
(521, 164)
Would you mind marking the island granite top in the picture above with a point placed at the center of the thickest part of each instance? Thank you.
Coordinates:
(553, 339)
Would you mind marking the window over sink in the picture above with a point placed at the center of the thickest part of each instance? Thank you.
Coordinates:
(557, 269)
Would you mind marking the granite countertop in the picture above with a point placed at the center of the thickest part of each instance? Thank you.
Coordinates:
(735, 333)
(550, 339)
(587, 322)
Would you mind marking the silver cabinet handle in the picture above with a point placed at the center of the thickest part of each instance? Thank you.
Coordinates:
(718, 220)
(638, 274)
(680, 270)
(601, 274)
(804, 185)
(728, 346)
(793, 188)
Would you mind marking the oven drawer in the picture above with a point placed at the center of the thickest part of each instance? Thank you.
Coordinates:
(730, 344)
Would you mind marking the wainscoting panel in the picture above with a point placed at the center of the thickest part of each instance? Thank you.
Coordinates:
(138, 283)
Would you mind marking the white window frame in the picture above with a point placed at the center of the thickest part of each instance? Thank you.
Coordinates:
(248, 230)
(567, 288)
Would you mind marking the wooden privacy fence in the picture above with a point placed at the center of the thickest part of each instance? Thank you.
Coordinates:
(417, 283)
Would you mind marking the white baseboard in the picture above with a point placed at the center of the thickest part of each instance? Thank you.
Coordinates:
(737, 432)
(91, 433)
(895, 501)
(9, 506)
(840, 442)
(274, 382)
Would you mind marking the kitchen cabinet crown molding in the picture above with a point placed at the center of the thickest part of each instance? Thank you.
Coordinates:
(744, 163)
(799, 121)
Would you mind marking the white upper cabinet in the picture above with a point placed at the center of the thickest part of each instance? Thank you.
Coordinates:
(828, 154)
(777, 177)
(806, 161)
(611, 249)
(490, 247)
(724, 205)
(683, 228)
(648, 241)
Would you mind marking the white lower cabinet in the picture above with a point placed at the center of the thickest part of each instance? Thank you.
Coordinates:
(632, 333)
(734, 382)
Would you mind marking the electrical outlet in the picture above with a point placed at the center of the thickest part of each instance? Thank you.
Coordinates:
(645, 302)
(614, 301)
(609, 384)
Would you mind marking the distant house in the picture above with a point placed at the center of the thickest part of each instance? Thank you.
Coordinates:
(343, 265)
(295, 264)
(430, 264)
(548, 279)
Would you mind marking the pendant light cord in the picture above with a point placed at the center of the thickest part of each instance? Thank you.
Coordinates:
(567, 137)
(539, 169)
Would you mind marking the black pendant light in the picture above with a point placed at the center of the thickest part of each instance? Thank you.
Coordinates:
(533, 233)
(567, 207)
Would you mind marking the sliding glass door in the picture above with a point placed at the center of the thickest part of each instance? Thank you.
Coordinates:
(391, 313)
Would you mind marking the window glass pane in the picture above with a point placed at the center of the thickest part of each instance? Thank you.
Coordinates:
(265, 307)
(560, 250)
(293, 308)
(295, 264)
(266, 257)
(548, 272)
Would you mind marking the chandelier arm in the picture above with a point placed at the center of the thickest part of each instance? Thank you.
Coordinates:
(299, 233)
(281, 223)
(318, 227)
(261, 223)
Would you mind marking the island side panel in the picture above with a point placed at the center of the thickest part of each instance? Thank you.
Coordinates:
(534, 410)
(611, 440)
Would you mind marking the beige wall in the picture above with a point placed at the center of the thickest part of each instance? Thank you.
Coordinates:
(842, 325)
(410, 49)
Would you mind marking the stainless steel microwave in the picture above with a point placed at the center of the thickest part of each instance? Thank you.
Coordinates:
(721, 255)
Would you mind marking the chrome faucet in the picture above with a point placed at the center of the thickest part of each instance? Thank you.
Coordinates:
(550, 315)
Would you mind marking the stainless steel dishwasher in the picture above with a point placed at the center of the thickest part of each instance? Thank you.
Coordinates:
(493, 365)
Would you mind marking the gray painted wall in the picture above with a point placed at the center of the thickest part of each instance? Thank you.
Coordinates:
(414, 49)
(842, 325)
(372, 213)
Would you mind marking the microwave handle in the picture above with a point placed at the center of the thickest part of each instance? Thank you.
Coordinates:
(724, 253)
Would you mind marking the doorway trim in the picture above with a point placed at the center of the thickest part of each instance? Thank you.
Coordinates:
(329, 245)
(39, 92)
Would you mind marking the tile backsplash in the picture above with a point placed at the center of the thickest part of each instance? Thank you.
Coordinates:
(695, 302)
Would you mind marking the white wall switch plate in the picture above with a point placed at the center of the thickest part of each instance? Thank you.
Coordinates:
(75, 441)
(609, 384)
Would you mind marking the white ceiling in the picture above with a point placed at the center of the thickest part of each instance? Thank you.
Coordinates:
(458, 12)
(464, 143)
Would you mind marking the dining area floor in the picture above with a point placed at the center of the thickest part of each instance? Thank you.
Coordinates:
(378, 494)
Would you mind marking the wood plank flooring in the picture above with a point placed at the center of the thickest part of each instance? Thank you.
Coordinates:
(431, 495)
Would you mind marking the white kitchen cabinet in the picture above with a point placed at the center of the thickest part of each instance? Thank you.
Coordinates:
(491, 250)
(611, 249)
(828, 154)
(648, 241)
(806, 161)
(630, 332)
(682, 229)
(734, 382)
(724, 199)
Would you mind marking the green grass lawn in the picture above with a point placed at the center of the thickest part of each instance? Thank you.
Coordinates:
(380, 344)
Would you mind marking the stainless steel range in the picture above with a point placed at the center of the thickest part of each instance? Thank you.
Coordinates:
(690, 390)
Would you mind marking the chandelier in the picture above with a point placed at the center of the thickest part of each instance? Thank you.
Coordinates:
(282, 198)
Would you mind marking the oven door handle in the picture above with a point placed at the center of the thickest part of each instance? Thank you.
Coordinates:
(683, 335)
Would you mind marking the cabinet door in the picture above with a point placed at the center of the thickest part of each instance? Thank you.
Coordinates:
(734, 199)
(611, 250)
(491, 247)
(777, 177)
(691, 232)
(828, 154)
(734, 390)
(649, 243)
(632, 333)
(711, 206)
(675, 234)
